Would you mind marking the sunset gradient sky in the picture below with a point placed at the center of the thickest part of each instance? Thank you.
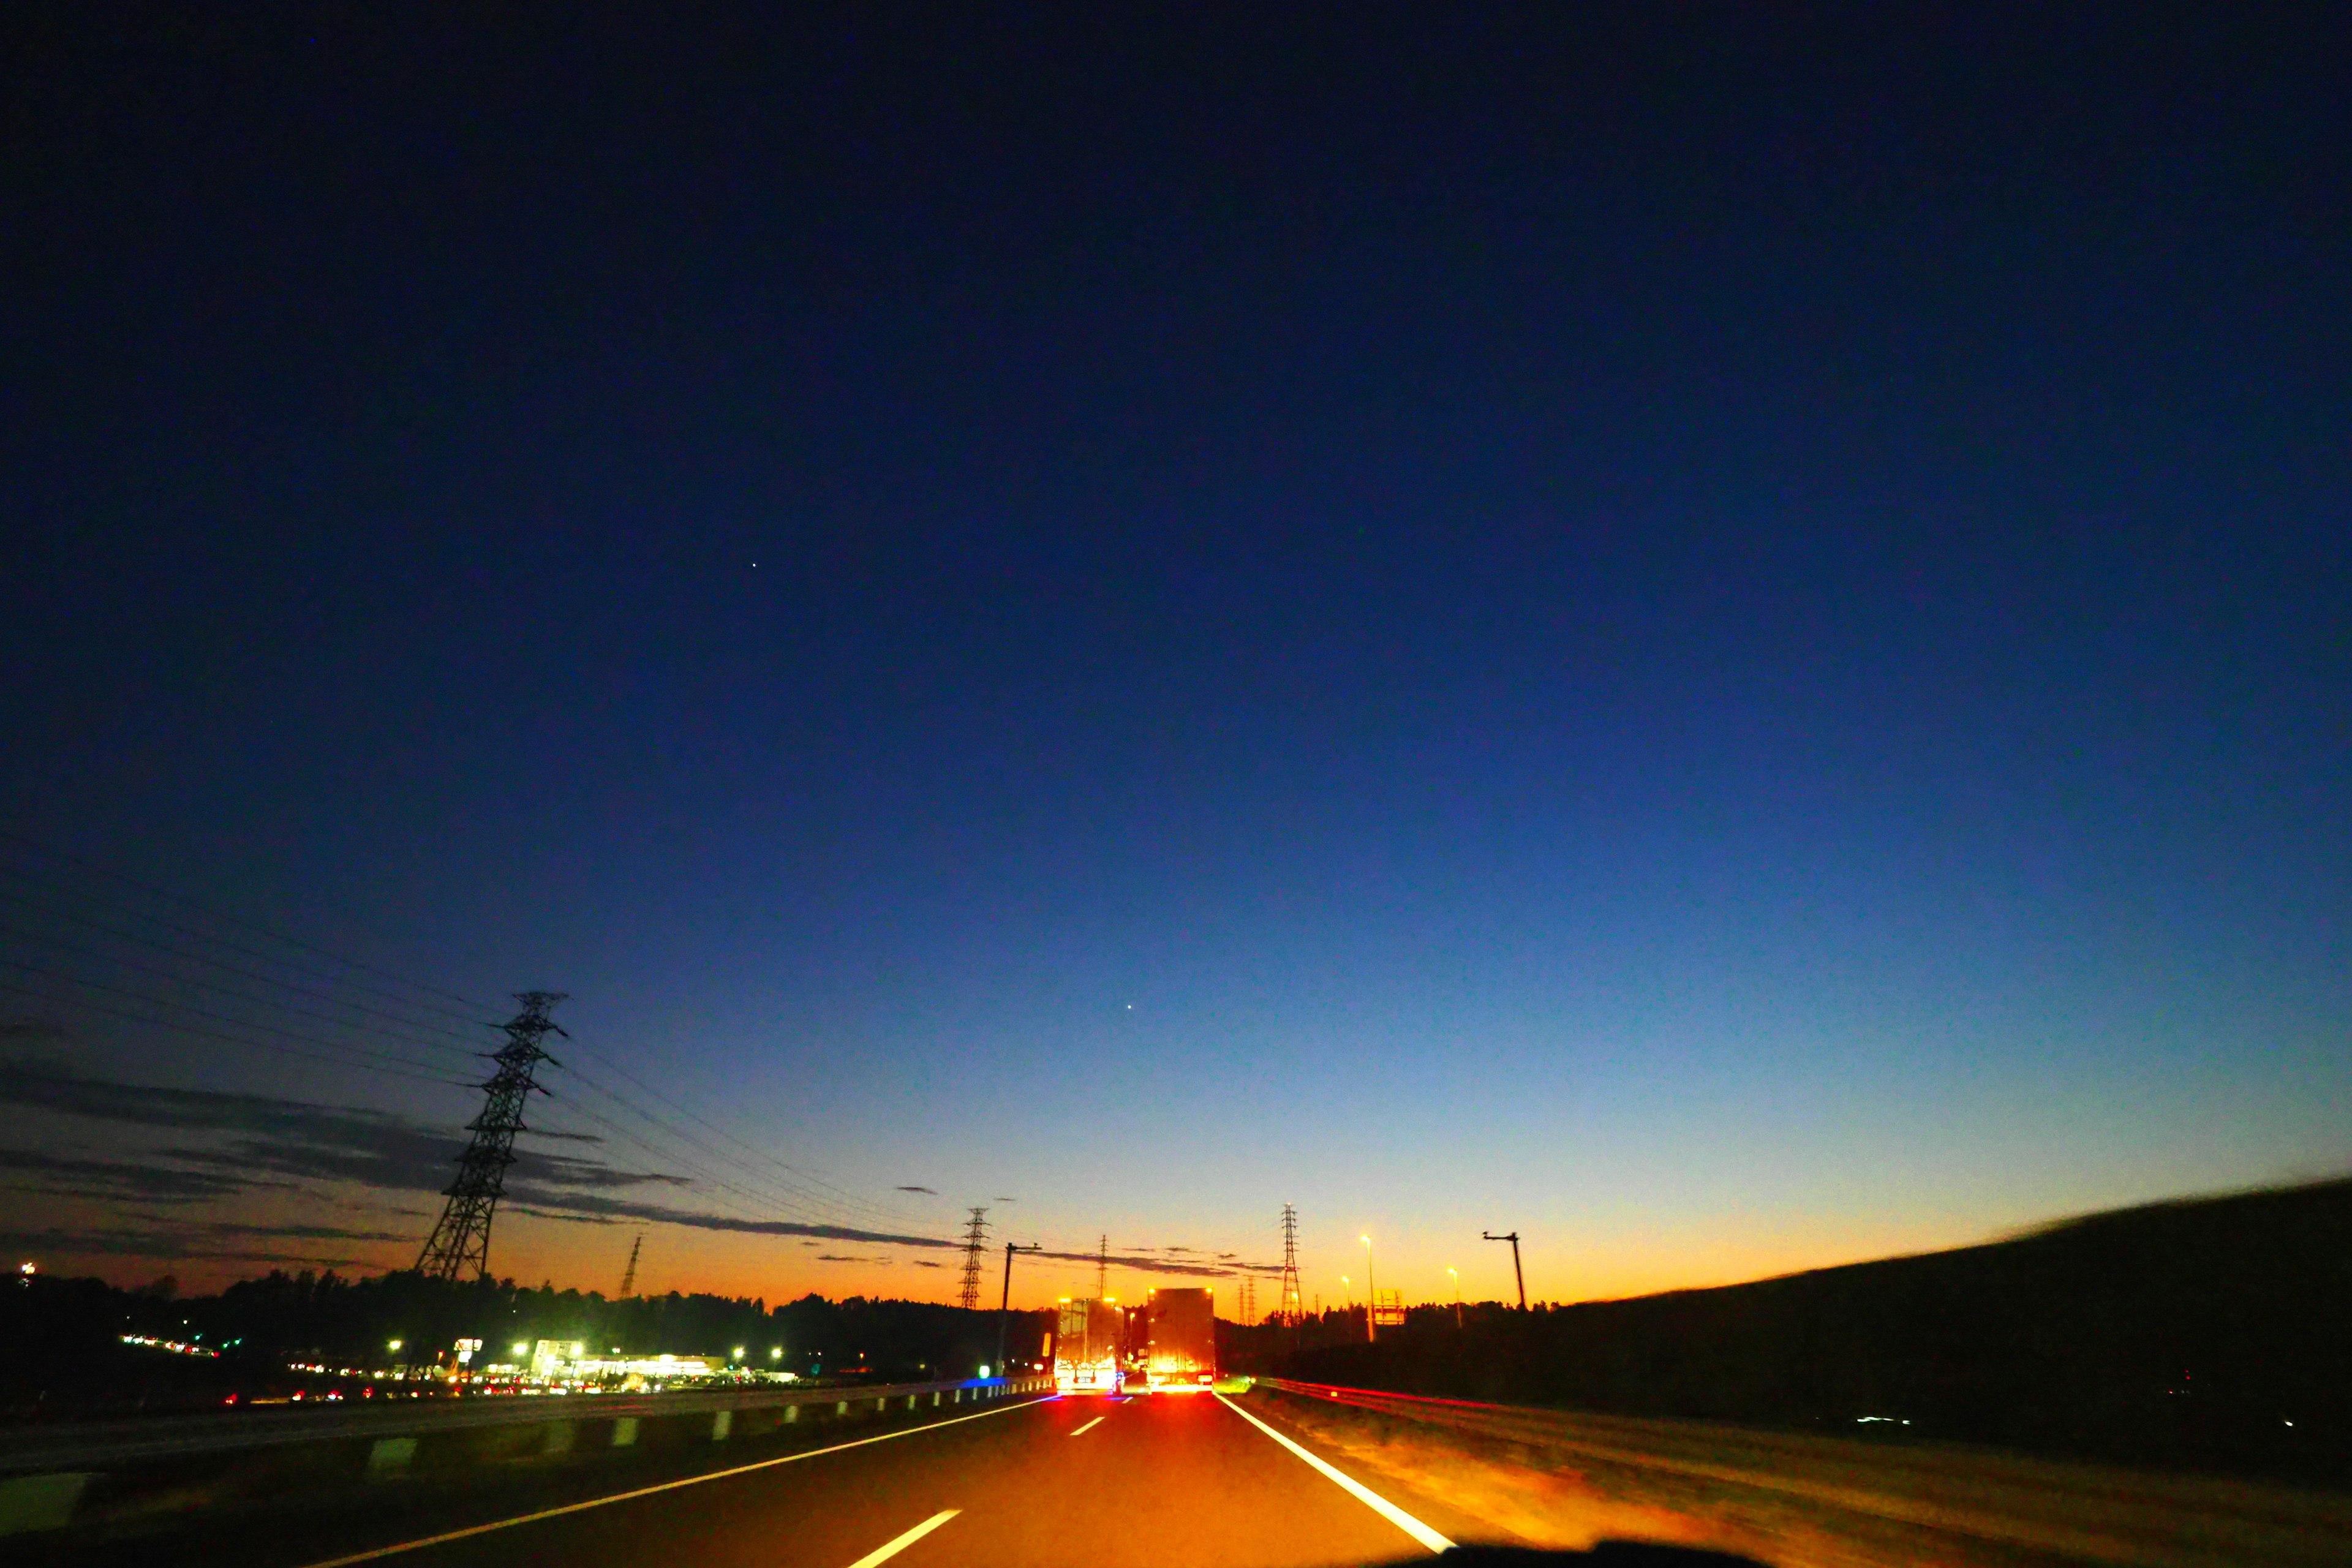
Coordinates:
(1716, 637)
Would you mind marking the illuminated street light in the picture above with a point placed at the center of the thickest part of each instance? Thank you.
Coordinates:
(735, 1354)
(522, 1350)
(776, 1354)
(391, 1344)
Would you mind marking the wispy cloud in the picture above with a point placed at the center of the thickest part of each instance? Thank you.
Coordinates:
(68, 1176)
(932, 1191)
(1136, 1257)
(589, 1203)
(264, 1142)
(273, 1142)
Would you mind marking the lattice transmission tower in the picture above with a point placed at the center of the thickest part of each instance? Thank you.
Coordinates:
(1293, 1310)
(461, 1241)
(1102, 1268)
(976, 1237)
(629, 1275)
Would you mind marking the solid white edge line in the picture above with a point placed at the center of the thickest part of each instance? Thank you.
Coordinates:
(889, 1550)
(1090, 1427)
(424, 1541)
(1362, 1493)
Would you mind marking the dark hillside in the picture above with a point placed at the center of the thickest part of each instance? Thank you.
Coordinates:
(2208, 1332)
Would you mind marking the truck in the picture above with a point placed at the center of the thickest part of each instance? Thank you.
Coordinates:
(1180, 1352)
(1089, 1348)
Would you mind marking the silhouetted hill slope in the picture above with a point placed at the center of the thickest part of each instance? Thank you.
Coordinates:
(2209, 1332)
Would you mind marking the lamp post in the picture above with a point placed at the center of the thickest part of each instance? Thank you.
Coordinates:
(1457, 1296)
(1516, 1273)
(1371, 1297)
(1004, 1307)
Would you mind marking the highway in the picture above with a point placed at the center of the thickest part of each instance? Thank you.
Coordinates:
(1152, 1481)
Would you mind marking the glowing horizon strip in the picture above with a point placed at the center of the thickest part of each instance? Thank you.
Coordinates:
(889, 1549)
(424, 1541)
(1426, 1537)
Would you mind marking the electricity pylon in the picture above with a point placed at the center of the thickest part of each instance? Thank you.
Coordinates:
(1293, 1310)
(629, 1275)
(976, 1237)
(1102, 1268)
(461, 1241)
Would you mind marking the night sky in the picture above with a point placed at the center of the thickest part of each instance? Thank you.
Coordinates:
(1715, 634)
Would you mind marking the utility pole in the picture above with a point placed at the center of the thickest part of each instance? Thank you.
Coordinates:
(1004, 1307)
(1514, 1239)
(629, 1275)
(461, 1239)
(1294, 1305)
(975, 1235)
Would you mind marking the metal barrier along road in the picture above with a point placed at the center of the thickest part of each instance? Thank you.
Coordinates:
(2088, 1512)
(121, 1442)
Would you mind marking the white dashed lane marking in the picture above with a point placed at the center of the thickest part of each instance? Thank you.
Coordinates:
(889, 1549)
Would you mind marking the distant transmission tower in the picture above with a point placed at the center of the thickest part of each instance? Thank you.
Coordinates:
(629, 1275)
(1293, 1309)
(1249, 1299)
(460, 1243)
(1102, 1268)
(976, 1237)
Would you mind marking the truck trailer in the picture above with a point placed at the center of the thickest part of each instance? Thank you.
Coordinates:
(1088, 1349)
(1181, 1354)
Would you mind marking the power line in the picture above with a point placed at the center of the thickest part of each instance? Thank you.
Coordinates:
(809, 1187)
(807, 1179)
(179, 978)
(204, 958)
(797, 1198)
(204, 1013)
(220, 914)
(231, 1039)
(133, 912)
(763, 1205)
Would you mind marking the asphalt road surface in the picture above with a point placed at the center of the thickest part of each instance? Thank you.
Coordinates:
(1164, 1479)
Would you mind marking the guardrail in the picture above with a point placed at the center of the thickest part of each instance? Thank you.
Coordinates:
(46, 1474)
(102, 1443)
(2091, 1513)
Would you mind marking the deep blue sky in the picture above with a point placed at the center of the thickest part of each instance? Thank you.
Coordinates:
(1719, 635)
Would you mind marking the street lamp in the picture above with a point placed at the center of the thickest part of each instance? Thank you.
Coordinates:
(1458, 1295)
(1371, 1297)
